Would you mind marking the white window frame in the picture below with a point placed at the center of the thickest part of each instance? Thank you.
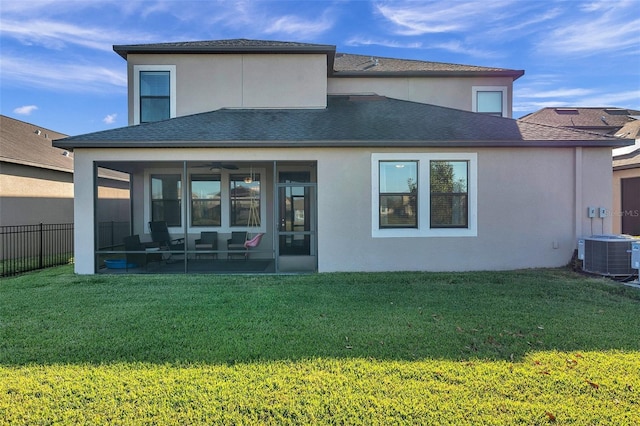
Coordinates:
(136, 88)
(424, 195)
(503, 89)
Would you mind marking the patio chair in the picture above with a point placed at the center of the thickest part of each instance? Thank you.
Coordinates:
(144, 257)
(160, 235)
(236, 244)
(207, 241)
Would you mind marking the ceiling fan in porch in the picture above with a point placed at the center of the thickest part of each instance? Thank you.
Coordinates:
(218, 165)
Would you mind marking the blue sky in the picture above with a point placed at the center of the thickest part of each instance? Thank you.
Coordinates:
(58, 69)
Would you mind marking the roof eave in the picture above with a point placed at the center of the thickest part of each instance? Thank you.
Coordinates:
(124, 50)
(342, 144)
(514, 74)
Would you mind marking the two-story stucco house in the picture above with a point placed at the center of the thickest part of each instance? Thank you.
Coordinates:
(340, 162)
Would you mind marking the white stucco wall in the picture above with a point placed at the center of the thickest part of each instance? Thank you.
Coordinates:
(529, 214)
(209, 82)
(450, 92)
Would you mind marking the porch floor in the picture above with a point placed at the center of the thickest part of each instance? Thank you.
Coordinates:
(200, 266)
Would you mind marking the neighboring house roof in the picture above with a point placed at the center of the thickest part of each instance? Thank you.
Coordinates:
(631, 130)
(347, 121)
(601, 119)
(30, 145)
(339, 64)
(628, 161)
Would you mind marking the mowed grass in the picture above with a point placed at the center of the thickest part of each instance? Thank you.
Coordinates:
(532, 347)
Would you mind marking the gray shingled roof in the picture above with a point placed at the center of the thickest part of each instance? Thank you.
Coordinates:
(339, 64)
(346, 63)
(347, 121)
(30, 145)
(223, 46)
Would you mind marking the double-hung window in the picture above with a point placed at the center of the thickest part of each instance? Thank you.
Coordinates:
(155, 97)
(424, 195)
(166, 194)
(398, 194)
(490, 100)
(154, 94)
(244, 193)
(206, 200)
(449, 194)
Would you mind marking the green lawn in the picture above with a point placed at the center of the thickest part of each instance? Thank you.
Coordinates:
(533, 347)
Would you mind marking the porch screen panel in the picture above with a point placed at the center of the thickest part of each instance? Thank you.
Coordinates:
(166, 192)
(398, 194)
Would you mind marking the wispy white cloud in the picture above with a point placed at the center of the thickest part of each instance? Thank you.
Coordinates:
(456, 46)
(611, 28)
(370, 41)
(555, 93)
(25, 110)
(57, 34)
(110, 118)
(301, 27)
(62, 77)
(418, 18)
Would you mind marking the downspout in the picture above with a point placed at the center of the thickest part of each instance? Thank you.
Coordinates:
(578, 194)
(185, 223)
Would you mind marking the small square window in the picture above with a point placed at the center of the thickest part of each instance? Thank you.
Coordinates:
(490, 100)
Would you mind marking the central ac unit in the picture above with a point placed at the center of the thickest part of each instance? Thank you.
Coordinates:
(608, 255)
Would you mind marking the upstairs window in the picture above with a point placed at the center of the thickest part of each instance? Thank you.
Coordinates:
(155, 99)
(154, 93)
(491, 100)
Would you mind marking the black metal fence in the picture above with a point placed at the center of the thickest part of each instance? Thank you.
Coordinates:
(30, 247)
(111, 234)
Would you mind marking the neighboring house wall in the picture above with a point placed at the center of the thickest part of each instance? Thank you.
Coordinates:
(32, 195)
(517, 228)
(450, 92)
(629, 212)
(210, 82)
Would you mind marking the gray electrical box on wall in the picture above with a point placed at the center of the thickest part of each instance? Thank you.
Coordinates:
(591, 212)
(635, 255)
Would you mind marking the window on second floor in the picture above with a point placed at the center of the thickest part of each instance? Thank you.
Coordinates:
(155, 99)
(491, 100)
(154, 96)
